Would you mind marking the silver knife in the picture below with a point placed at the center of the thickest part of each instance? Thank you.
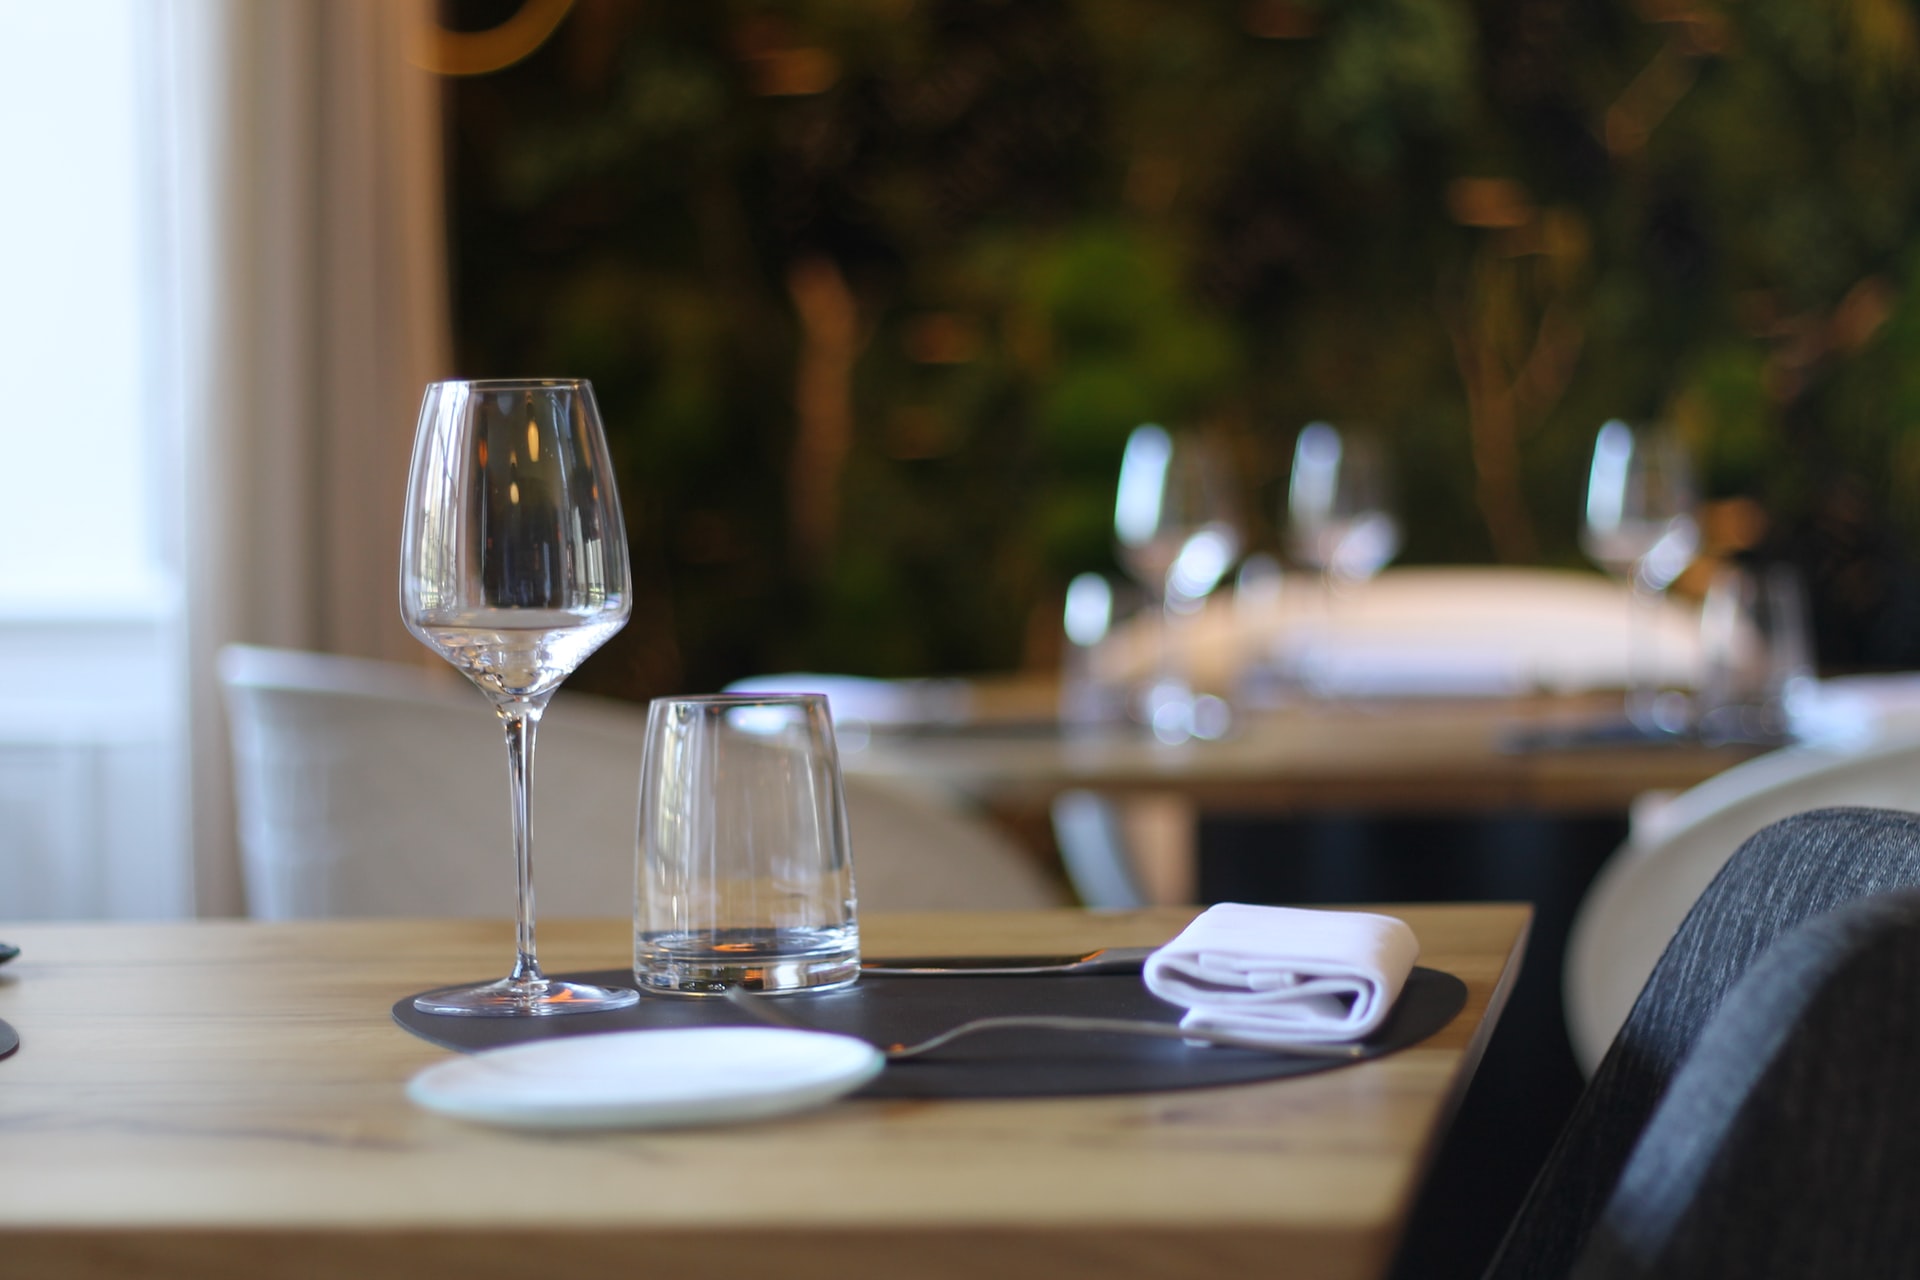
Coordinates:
(1105, 960)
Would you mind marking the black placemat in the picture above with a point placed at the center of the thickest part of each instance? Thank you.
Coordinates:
(991, 1064)
(9, 1039)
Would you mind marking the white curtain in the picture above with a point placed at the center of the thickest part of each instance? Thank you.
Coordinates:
(305, 286)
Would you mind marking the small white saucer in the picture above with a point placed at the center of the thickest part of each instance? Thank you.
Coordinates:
(648, 1079)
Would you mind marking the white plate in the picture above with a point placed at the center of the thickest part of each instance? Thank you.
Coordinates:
(648, 1079)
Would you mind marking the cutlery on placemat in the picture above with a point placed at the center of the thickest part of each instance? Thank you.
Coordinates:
(1105, 960)
(766, 1010)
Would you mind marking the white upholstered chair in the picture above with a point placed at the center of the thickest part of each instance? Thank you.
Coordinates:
(1644, 890)
(368, 788)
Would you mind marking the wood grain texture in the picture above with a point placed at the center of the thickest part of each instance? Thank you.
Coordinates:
(225, 1099)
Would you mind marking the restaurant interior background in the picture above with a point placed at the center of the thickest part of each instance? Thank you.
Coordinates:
(871, 292)
(874, 292)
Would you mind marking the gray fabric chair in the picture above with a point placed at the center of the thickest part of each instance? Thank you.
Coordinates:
(1792, 871)
(1789, 1143)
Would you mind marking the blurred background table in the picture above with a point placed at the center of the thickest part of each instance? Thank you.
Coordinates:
(1447, 754)
(1416, 759)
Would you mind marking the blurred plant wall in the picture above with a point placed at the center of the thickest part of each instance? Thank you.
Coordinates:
(873, 290)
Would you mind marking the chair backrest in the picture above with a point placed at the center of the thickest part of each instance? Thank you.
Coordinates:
(1640, 896)
(367, 788)
(1789, 1143)
(1791, 871)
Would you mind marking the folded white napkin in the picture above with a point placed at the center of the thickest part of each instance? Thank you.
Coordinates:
(1278, 974)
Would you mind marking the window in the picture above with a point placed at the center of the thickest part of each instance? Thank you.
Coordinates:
(91, 773)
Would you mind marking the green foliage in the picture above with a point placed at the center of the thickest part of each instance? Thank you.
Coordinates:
(1482, 226)
(1388, 74)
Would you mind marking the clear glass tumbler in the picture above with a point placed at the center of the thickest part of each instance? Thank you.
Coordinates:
(745, 870)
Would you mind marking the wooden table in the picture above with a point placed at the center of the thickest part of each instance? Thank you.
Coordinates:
(223, 1099)
(1425, 755)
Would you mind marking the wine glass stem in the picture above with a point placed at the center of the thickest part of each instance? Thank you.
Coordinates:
(521, 719)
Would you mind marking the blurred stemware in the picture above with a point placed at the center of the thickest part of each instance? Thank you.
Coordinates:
(1176, 523)
(1340, 510)
(513, 567)
(1089, 696)
(1639, 526)
(1340, 525)
(1757, 654)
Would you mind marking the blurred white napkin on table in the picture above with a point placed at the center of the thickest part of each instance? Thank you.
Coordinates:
(1285, 974)
(1461, 631)
(1852, 712)
(1411, 669)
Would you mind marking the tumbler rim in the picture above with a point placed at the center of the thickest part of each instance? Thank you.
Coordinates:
(509, 384)
(772, 697)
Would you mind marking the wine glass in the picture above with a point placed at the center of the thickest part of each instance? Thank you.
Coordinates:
(1639, 526)
(513, 567)
(1340, 524)
(1340, 519)
(1176, 523)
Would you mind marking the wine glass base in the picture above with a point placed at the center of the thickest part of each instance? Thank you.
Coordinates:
(510, 999)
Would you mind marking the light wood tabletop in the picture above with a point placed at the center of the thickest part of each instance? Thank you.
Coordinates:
(1435, 755)
(224, 1099)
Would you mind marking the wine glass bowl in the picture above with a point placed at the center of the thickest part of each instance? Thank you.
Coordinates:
(513, 568)
(1175, 520)
(1639, 523)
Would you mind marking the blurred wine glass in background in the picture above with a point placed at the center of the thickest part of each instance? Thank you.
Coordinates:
(1262, 678)
(1639, 526)
(1089, 696)
(1177, 528)
(1340, 525)
(1340, 511)
(1756, 652)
